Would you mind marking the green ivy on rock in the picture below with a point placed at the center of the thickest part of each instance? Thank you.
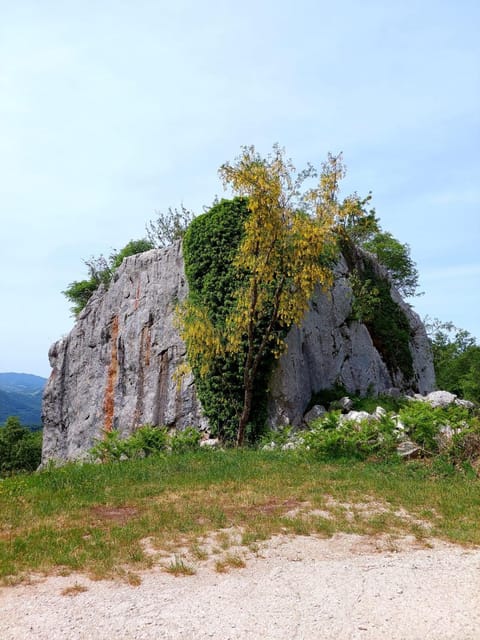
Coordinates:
(386, 321)
(209, 247)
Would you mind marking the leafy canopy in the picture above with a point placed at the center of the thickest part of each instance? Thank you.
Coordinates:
(20, 448)
(396, 258)
(288, 247)
(456, 357)
(168, 226)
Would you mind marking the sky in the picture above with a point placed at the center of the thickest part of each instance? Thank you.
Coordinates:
(112, 110)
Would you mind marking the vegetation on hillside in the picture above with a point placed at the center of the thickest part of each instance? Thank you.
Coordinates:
(199, 505)
(397, 260)
(20, 448)
(166, 228)
(456, 356)
(21, 396)
(100, 272)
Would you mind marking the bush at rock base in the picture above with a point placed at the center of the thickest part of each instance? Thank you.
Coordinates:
(449, 435)
(145, 441)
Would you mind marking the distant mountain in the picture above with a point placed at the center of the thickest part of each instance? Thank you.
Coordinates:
(21, 395)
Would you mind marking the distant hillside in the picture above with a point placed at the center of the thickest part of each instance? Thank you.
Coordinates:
(21, 395)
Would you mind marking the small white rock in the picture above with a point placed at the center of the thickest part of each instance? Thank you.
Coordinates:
(379, 413)
(210, 443)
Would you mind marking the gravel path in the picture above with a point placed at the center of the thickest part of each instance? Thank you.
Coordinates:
(297, 588)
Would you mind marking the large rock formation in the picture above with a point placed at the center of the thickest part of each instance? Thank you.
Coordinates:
(116, 368)
(329, 349)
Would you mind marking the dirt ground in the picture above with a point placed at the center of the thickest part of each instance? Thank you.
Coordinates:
(346, 587)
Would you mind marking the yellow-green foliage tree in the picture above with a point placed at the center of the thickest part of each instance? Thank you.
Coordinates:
(287, 249)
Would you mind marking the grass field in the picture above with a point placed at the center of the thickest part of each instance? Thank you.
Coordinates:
(96, 518)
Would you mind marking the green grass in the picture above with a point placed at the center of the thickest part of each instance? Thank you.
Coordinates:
(93, 518)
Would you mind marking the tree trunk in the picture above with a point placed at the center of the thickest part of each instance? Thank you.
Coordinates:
(253, 361)
(247, 408)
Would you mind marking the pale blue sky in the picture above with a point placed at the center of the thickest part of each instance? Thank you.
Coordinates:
(110, 110)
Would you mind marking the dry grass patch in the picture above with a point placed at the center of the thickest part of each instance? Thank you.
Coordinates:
(133, 579)
(199, 553)
(230, 561)
(364, 515)
(178, 567)
(118, 515)
(74, 590)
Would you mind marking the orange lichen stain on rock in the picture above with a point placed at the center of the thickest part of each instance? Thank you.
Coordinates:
(109, 401)
(137, 298)
(147, 344)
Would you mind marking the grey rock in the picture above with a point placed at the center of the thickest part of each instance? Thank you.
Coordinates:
(317, 411)
(345, 403)
(379, 413)
(392, 392)
(464, 403)
(270, 446)
(210, 443)
(445, 435)
(116, 368)
(408, 450)
(328, 348)
(355, 416)
(440, 398)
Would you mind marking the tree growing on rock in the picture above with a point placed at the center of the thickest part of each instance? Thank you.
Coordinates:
(100, 272)
(396, 258)
(288, 248)
(168, 226)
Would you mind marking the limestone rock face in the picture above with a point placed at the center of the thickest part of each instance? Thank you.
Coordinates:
(115, 369)
(328, 349)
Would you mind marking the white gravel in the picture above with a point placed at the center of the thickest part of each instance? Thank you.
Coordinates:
(297, 588)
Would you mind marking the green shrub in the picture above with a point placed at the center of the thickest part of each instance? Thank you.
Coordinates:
(210, 246)
(370, 403)
(110, 447)
(331, 443)
(20, 448)
(422, 423)
(331, 439)
(100, 272)
(278, 436)
(325, 397)
(147, 440)
(386, 322)
(465, 444)
(456, 356)
(186, 440)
